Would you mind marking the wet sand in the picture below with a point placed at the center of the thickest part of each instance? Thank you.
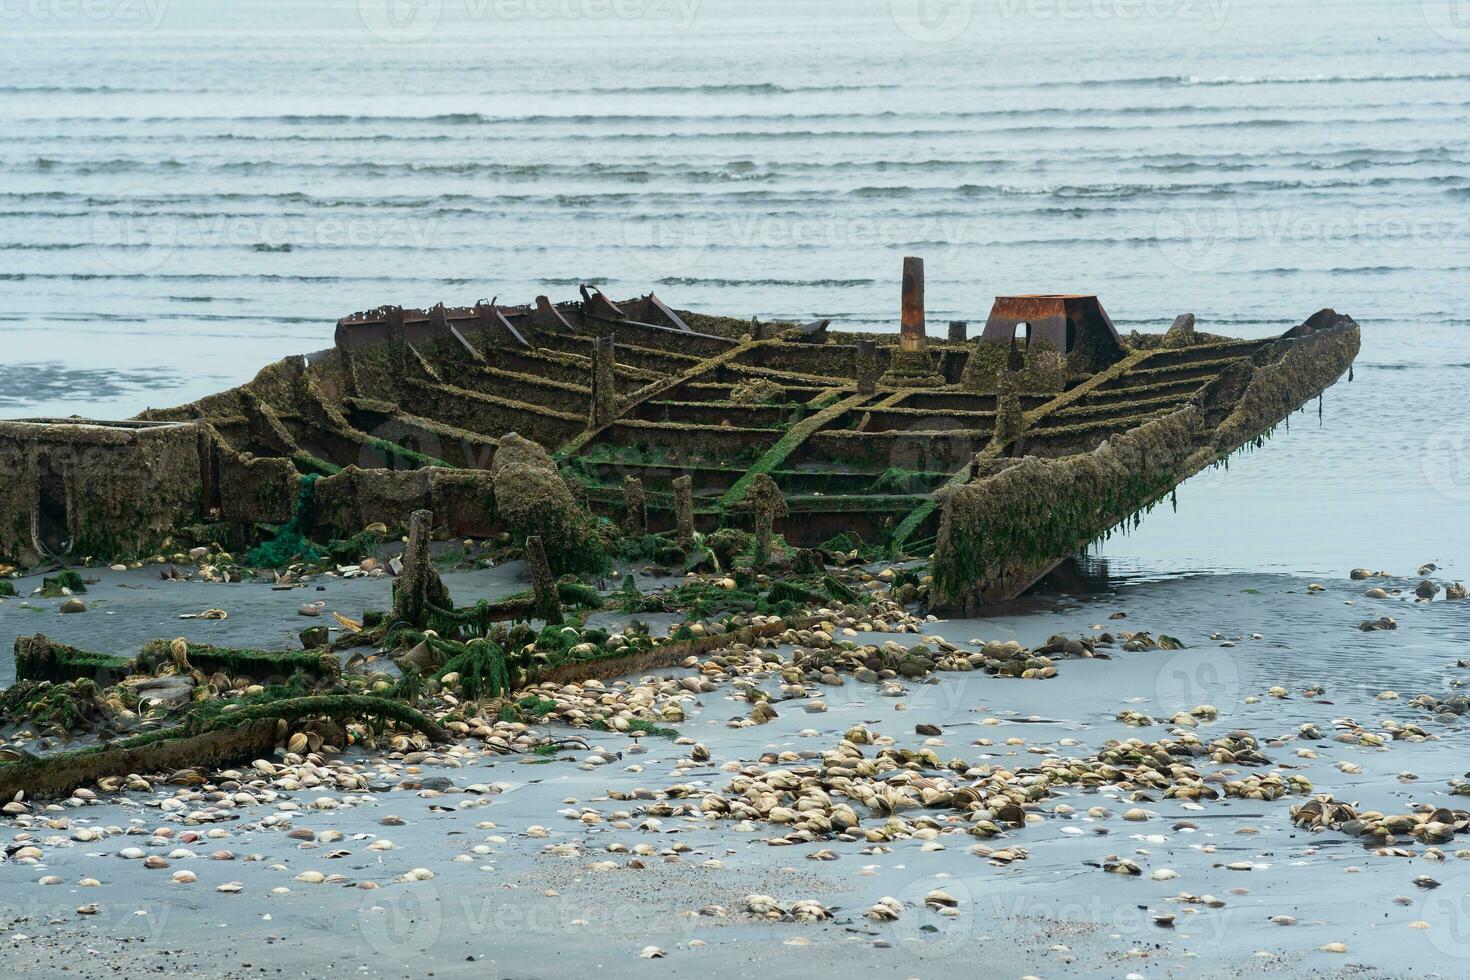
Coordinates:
(519, 910)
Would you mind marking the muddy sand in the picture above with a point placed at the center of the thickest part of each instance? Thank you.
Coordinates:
(508, 898)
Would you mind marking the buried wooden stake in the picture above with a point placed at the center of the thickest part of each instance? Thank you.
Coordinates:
(635, 507)
(543, 583)
(767, 504)
(604, 381)
(419, 587)
(867, 366)
(684, 511)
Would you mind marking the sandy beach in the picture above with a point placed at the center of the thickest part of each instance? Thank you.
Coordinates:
(523, 885)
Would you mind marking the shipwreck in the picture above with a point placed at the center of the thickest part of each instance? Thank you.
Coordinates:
(999, 455)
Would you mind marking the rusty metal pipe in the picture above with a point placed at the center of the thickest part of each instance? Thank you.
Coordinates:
(911, 326)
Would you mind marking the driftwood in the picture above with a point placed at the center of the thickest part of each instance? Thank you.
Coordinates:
(246, 734)
(665, 655)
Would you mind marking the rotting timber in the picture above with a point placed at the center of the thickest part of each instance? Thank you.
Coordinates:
(1001, 456)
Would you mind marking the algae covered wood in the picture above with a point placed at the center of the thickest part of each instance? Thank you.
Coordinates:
(580, 422)
(244, 734)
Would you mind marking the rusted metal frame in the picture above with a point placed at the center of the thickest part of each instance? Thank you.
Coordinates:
(595, 302)
(675, 331)
(439, 319)
(470, 394)
(474, 351)
(1048, 316)
(652, 390)
(919, 514)
(672, 317)
(548, 317)
(491, 320)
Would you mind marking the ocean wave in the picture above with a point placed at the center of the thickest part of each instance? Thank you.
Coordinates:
(1168, 81)
(700, 281)
(727, 88)
(1326, 79)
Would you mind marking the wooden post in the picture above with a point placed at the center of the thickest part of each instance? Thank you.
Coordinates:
(684, 511)
(959, 331)
(867, 367)
(767, 504)
(635, 506)
(604, 382)
(543, 584)
(419, 587)
(911, 325)
(1009, 416)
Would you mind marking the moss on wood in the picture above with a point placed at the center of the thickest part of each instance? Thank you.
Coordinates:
(262, 666)
(39, 658)
(248, 733)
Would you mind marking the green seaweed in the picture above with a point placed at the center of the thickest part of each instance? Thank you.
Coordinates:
(290, 541)
(63, 583)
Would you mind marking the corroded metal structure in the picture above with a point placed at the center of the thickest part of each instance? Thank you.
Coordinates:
(1000, 455)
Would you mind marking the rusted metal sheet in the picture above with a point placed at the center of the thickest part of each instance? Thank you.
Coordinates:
(596, 304)
(911, 323)
(668, 314)
(1063, 320)
(548, 317)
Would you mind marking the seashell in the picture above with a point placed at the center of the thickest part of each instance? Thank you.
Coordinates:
(809, 910)
(940, 898)
(886, 909)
